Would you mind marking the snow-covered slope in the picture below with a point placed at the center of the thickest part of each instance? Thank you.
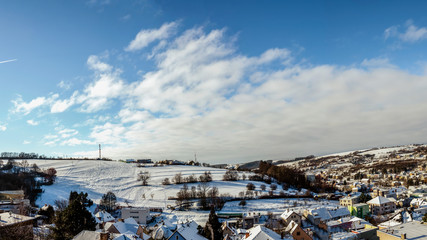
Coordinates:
(98, 177)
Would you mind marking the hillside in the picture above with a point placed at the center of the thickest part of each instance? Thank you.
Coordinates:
(98, 177)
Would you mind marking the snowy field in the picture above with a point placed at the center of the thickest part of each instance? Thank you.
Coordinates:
(98, 177)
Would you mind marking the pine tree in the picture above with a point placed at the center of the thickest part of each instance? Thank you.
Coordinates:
(74, 219)
(213, 226)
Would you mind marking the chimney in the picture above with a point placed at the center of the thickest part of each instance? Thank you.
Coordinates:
(403, 236)
(104, 236)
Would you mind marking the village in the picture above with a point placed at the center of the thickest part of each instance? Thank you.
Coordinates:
(371, 203)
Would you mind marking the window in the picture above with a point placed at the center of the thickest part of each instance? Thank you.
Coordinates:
(298, 233)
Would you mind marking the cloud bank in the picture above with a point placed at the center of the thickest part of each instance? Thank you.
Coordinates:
(204, 96)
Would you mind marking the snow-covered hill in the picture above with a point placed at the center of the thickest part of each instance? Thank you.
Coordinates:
(98, 177)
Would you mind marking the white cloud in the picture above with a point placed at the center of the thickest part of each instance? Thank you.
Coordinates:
(273, 54)
(32, 122)
(145, 37)
(126, 17)
(64, 85)
(26, 142)
(23, 107)
(75, 142)
(96, 64)
(411, 34)
(6, 61)
(128, 115)
(204, 96)
(65, 133)
(3, 127)
(377, 63)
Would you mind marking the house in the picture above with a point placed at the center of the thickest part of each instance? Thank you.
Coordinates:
(161, 231)
(11, 223)
(317, 215)
(360, 210)
(104, 216)
(349, 200)
(7, 195)
(297, 232)
(382, 205)
(187, 231)
(411, 230)
(144, 161)
(261, 233)
(128, 227)
(418, 203)
(289, 216)
(94, 235)
(140, 214)
(12, 201)
(388, 193)
(249, 220)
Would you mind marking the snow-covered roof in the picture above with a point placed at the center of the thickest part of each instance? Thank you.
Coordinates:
(189, 231)
(126, 228)
(9, 218)
(85, 234)
(287, 214)
(123, 237)
(104, 216)
(380, 200)
(131, 221)
(262, 233)
(161, 232)
(399, 218)
(419, 202)
(327, 214)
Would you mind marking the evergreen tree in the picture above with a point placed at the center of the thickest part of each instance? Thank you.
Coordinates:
(49, 212)
(81, 197)
(108, 202)
(364, 197)
(213, 229)
(74, 219)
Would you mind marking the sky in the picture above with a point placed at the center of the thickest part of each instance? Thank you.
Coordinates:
(229, 81)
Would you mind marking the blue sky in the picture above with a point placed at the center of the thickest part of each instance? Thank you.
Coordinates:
(232, 81)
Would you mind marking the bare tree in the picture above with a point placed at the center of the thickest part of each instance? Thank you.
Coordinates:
(177, 179)
(61, 204)
(143, 177)
(166, 181)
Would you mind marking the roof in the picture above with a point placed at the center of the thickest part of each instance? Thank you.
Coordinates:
(126, 228)
(413, 230)
(161, 232)
(87, 235)
(360, 205)
(349, 197)
(327, 214)
(104, 216)
(262, 233)
(10, 218)
(131, 221)
(287, 214)
(380, 200)
(189, 231)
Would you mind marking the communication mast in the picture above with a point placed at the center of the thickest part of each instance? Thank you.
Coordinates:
(99, 151)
